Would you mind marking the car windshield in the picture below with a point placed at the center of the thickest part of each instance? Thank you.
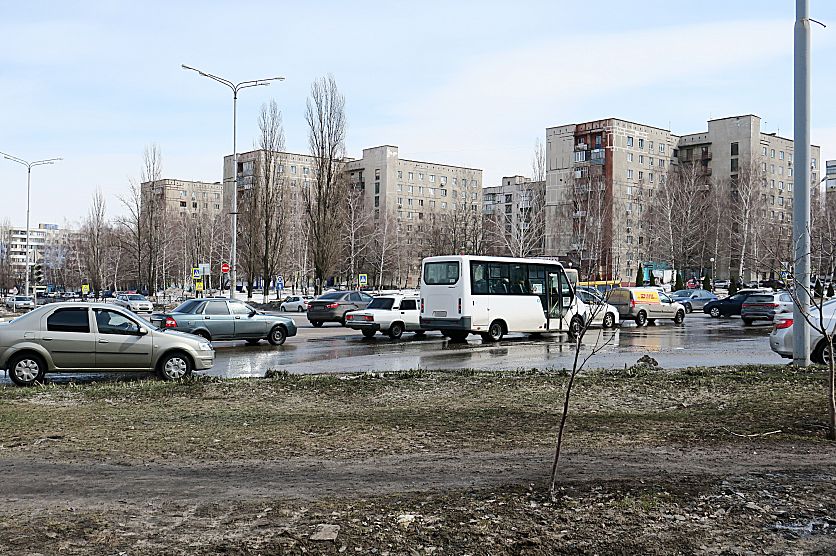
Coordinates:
(384, 303)
(681, 293)
(135, 297)
(332, 295)
(23, 298)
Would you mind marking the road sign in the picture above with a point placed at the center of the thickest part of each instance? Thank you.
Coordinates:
(198, 285)
(196, 274)
(363, 279)
(225, 268)
(205, 269)
(85, 289)
(279, 282)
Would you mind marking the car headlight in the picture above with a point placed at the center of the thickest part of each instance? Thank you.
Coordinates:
(204, 346)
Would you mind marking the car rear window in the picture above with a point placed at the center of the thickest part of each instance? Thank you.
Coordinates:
(71, 319)
(619, 296)
(441, 273)
(759, 299)
(332, 296)
(188, 306)
(384, 303)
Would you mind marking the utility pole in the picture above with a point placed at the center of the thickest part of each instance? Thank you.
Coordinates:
(801, 183)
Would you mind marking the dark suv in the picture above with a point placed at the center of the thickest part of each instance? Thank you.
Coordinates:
(332, 306)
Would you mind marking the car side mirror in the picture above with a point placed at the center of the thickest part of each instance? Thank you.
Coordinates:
(253, 313)
(142, 331)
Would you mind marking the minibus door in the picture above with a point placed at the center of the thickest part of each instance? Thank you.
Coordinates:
(560, 301)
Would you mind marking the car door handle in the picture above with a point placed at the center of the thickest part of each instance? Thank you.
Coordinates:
(237, 318)
(207, 318)
(103, 341)
(47, 339)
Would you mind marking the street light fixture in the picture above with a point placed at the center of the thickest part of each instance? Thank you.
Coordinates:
(29, 166)
(234, 87)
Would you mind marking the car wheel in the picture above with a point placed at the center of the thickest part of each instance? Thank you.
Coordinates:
(300, 309)
(494, 333)
(688, 308)
(575, 327)
(316, 323)
(609, 321)
(204, 334)
(342, 320)
(641, 318)
(714, 312)
(26, 369)
(174, 366)
(253, 342)
(282, 308)
(368, 333)
(679, 318)
(395, 330)
(277, 336)
(821, 355)
(747, 322)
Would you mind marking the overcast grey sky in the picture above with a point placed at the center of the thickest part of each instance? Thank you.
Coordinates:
(468, 83)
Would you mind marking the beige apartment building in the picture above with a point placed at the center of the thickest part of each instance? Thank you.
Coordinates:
(515, 207)
(188, 199)
(602, 175)
(599, 181)
(40, 240)
(410, 191)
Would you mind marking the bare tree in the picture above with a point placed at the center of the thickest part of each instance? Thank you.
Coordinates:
(95, 232)
(325, 116)
(747, 199)
(357, 232)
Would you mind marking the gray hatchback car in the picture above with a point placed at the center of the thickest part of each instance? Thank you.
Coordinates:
(333, 306)
(94, 337)
(224, 319)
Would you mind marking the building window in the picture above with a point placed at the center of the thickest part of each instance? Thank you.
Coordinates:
(734, 164)
(650, 176)
(443, 192)
(781, 201)
(432, 178)
(420, 176)
(629, 157)
(376, 201)
(400, 187)
(509, 198)
(772, 153)
(293, 169)
(377, 188)
(182, 203)
(763, 151)
(661, 163)
(641, 143)
(650, 145)
(629, 174)
(781, 155)
(661, 147)
(410, 189)
(377, 173)
(443, 205)
(735, 149)
(781, 185)
(454, 181)
(306, 170)
(400, 174)
(411, 176)
(431, 191)
(629, 141)
(641, 175)
(813, 163)
(641, 159)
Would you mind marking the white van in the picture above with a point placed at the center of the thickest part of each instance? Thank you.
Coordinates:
(493, 296)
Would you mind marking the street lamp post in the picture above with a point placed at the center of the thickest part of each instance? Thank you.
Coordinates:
(713, 276)
(29, 166)
(234, 87)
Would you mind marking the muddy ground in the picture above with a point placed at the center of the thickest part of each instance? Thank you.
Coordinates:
(421, 463)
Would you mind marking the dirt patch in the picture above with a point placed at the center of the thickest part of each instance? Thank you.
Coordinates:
(421, 463)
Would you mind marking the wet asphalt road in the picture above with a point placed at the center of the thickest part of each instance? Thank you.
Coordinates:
(701, 341)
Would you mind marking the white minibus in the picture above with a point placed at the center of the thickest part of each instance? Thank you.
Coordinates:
(492, 296)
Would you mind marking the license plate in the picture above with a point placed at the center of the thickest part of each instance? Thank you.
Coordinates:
(439, 313)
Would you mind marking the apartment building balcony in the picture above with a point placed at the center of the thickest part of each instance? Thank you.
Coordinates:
(705, 155)
(597, 156)
(581, 147)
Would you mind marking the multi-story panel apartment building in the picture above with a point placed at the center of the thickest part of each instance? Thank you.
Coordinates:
(599, 181)
(409, 191)
(516, 210)
(602, 175)
(187, 199)
(40, 239)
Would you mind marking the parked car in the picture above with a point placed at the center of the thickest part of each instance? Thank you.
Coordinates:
(333, 306)
(693, 299)
(390, 314)
(729, 306)
(722, 284)
(645, 305)
(602, 312)
(94, 337)
(765, 306)
(17, 302)
(295, 303)
(226, 319)
(134, 302)
(781, 337)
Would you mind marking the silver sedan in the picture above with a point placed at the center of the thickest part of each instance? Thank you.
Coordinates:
(134, 302)
(781, 337)
(95, 337)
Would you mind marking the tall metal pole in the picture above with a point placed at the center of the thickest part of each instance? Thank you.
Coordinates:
(28, 196)
(801, 182)
(234, 87)
(233, 257)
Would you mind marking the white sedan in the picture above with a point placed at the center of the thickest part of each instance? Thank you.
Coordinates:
(390, 314)
(781, 337)
(295, 303)
(602, 312)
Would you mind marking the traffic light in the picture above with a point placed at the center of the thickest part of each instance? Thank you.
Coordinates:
(38, 273)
